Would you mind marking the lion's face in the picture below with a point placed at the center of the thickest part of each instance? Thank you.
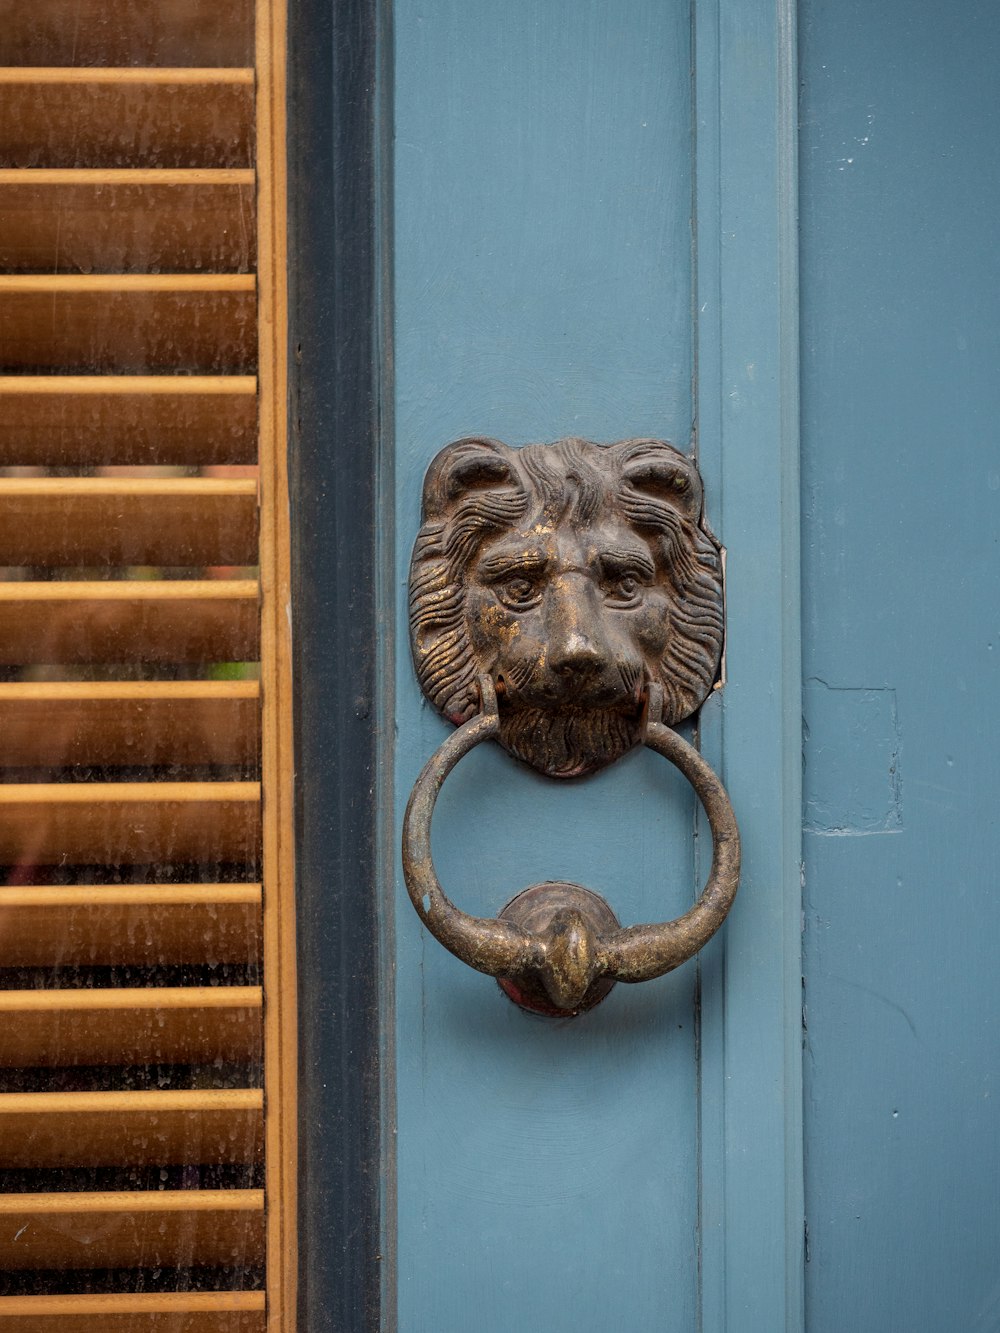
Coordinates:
(573, 574)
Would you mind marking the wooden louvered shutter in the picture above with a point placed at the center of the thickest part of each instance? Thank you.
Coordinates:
(146, 984)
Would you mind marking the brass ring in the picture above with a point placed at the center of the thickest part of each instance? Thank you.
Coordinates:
(574, 950)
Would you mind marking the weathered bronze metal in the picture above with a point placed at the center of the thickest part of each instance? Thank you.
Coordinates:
(566, 600)
(573, 575)
(554, 948)
(568, 919)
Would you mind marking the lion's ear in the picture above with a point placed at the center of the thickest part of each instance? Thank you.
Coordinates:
(655, 468)
(474, 463)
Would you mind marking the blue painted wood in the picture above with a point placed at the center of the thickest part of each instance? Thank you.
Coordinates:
(901, 503)
(747, 372)
(557, 1175)
(547, 1171)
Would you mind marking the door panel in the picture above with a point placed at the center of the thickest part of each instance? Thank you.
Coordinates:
(552, 163)
(547, 1169)
(585, 201)
(901, 477)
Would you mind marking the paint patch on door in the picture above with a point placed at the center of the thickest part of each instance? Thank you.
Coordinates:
(851, 779)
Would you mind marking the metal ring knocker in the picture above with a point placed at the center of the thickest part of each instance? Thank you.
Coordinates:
(558, 948)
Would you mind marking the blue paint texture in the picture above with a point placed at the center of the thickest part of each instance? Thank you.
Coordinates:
(900, 175)
(547, 1171)
(851, 751)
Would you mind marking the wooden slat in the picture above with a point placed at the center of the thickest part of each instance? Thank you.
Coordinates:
(168, 621)
(107, 177)
(129, 323)
(126, 32)
(47, 284)
(123, 823)
(126, 221)
(208, 79)
(129, 925)
(59, 117)
(174, 1312)
(48, 1130)
(87, 521)
(108, 723)
(158, 1229)
(79, 420)
(129, 1025)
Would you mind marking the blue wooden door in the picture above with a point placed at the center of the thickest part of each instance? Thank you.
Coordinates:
(582, 247)
(593, 220)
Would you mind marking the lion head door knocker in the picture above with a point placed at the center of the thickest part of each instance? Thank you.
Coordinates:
(566, 599)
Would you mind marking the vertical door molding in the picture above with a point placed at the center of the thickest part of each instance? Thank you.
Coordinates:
(752, 1213)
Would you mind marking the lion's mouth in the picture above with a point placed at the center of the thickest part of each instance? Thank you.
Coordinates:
(568, 742)
(621, 692)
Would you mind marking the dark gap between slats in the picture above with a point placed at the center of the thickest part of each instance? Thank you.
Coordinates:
(84, 673)
(220, 1076)
(77, 977)
(107, 1281)
(84, 1179)
(84, 773)
(191, 872)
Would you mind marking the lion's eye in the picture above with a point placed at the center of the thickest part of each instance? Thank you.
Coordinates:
(518, 593)
(624, 590)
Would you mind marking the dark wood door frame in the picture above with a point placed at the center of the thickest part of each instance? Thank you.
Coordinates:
(335, 404)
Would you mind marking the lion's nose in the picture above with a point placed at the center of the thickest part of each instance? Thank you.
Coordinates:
(575, 654)
(577, 647)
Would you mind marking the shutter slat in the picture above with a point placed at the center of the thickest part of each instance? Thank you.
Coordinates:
(126, 32)
(163, 1228)
(129, 722)
(130, 925)
(129, 1025)
(84, 521)
(171, 1312)
(47, 284)
(25, 178)
(167, 621)
(74, 420)
(101, 117)
(122, 221)
(129, 323)
(48, 1130)
(34, 76)
(127, 823)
